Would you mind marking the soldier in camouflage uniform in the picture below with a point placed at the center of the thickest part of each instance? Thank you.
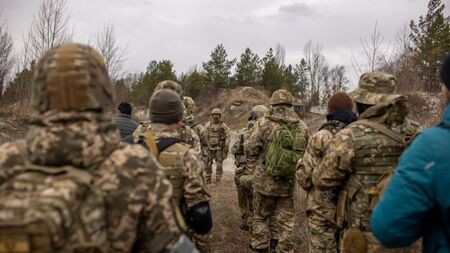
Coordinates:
(320, 207)
(185, 132)
(217, 136)
(181, 164)
(361, 154)
(242, 177)
(71, 90)
(273, 217)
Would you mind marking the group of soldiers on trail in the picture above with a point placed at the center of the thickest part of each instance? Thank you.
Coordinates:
(80, 181)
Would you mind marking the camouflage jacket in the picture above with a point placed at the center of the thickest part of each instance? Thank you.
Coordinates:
(137, 196)
(238, 150)
(260, 136)
(192, 189)
(216, 136)
(185, 133)
(189, 136)
(359, 155)
(317, 201)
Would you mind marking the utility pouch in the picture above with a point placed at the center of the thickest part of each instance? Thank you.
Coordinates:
(353, 241)
(341, 208)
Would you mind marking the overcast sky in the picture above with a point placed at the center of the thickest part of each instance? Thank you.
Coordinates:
(186, 31)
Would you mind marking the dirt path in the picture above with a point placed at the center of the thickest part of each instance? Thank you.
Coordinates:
(226, 236)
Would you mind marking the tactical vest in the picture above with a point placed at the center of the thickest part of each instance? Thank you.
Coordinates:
(215, 132)
(172, 161)
(375, 154)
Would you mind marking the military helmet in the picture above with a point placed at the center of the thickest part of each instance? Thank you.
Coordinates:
(281, 97)
(259, 111)
(71, 77)
(374, 88)
(189, 103)
(216, 111)
(169, 84)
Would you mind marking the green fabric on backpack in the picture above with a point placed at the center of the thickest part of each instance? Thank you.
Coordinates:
(284, 150)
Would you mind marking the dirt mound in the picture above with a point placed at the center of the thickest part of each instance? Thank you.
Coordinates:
(12, 126)
(235, 104)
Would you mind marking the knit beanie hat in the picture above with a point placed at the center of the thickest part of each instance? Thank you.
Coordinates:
(340, 101)
(445, 71)
(166, 107)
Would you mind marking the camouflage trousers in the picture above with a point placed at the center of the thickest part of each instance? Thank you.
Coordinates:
(322, 229)
(322, 235)
(218, 157)
(273, 219)
(245, 198)
(202, 242)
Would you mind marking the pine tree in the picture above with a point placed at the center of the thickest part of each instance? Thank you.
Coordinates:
(430, 37)
(248, 69)
(272, 74)
(218, 68)
(143, 87)
(194, 83)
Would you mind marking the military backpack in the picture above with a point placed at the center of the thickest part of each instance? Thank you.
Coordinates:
(51, 209)
(284, 150)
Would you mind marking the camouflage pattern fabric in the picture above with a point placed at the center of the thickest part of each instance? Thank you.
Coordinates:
(320, 208)
(280, 212)
(193, 191)
(190, 137)
(357, 158)
(244, 190)
(273, 205)
(137, 196)
(216, 135)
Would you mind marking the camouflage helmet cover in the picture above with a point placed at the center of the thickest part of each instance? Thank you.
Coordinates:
(259, 111)
(281, 97)
(189, 103)
(71, 77)
(374, 88)
(216, 111)
(169, 84)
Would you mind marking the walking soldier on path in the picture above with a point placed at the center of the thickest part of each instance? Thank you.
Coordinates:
(361, 155)
(277, 141)
(320, 206)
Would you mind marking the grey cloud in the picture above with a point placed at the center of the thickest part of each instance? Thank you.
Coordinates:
(296, 8)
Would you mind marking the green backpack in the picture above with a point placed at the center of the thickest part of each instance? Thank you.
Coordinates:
(284, 150)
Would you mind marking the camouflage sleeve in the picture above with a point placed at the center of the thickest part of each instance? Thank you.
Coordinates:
(313, 155)
(196, 142)
(227, 135)
(10, 156)
(158, 230)
(253, 146)
(336, 163)
(237, 148)
(193, 188)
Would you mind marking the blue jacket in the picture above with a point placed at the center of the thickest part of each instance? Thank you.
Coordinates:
(417, 200)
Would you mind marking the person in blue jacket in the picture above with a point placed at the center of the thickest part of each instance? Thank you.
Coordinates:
(417, 201)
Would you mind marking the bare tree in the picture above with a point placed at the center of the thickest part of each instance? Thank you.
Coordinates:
(6, 57)
(316, 63)
(374, 52)
(114, 55)
(49, 28)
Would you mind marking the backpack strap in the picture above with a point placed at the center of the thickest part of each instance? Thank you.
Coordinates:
(382, 129)
(443, 125)
(164, 143)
